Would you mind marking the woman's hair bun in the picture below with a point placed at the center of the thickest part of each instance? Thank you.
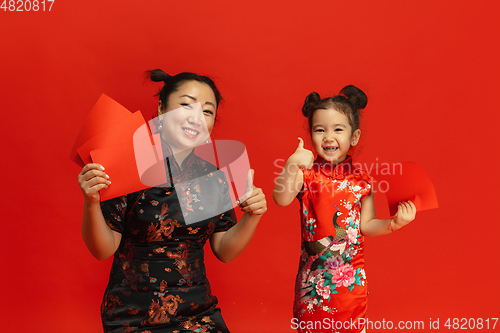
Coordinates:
(355, 96)
(311, 99)
(157, 75)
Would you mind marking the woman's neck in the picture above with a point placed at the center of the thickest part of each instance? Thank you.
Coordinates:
(181, 156)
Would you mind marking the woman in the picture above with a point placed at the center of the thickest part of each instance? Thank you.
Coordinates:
(157, 282)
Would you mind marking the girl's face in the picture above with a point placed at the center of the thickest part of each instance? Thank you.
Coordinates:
(332, 135)
(189, 116)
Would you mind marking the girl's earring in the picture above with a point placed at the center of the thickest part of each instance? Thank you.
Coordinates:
(206, 142)
(160, 125)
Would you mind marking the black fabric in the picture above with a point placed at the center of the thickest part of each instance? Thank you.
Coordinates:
(158, 281)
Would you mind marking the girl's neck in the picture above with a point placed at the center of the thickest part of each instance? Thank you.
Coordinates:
(336, 162)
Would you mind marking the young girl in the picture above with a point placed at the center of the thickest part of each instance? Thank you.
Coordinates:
(337, 211)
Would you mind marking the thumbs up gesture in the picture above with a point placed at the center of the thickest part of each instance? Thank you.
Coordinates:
(255, 204)
(302, 157)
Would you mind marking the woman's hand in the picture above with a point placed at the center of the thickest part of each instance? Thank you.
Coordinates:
(255, 204)
(227, 245)
(406, 213)
(91, 179)
(302, 157)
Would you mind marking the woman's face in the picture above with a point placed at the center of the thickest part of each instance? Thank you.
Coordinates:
(189, 116)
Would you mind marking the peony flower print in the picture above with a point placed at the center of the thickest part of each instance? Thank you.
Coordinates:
(322, 290)
(343, 275)
(353, 235)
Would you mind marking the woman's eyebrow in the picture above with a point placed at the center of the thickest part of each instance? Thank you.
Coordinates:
(194, 99)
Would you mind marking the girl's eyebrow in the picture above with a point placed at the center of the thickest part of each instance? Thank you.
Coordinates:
(194, 99)
(334, 125)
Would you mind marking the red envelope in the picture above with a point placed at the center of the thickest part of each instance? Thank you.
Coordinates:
(119, 133)
(105, 113)
(410, 183)
(121, 168)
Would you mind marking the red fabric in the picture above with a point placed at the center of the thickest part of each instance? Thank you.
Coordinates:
(331, 288)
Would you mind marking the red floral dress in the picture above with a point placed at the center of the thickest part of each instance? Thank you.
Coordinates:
(331, 288)
(158, 281)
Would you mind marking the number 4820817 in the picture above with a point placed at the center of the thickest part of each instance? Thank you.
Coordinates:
(471, 323)
(27, 5)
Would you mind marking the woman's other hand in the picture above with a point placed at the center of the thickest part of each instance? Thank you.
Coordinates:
(255, 204)
(91, 179)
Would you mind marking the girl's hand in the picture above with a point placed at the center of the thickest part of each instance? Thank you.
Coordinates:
(406, 213)
(91, 180)
(256, 202)
(302, 157)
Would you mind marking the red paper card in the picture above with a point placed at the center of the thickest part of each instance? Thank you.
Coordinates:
(120, 133)
(121, 168)
(105, 113)
(409, 183)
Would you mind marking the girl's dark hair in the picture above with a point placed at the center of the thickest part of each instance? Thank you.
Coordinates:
(348, 102)
(172, 83)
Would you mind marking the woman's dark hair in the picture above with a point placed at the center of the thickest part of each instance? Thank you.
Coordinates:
(172, 83)
(348, 102)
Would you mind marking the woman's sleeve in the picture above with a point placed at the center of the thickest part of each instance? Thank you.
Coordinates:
(113, 211)
(227, 219)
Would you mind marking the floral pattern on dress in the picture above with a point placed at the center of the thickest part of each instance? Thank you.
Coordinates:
(331, 279)
(158, 281)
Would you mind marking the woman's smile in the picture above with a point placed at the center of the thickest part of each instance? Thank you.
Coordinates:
(190, 132)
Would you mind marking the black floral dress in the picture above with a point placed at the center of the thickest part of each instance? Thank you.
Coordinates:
(158, 281)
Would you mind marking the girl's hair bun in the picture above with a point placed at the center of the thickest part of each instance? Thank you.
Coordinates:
(311, 99)
(158, 75)
(355, 96)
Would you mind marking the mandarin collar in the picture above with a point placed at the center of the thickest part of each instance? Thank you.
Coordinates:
(331, 170)
(169, 156)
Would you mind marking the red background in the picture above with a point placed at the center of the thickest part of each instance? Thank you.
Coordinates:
(429, 68)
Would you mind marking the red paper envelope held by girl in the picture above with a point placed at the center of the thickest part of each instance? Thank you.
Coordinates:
(409, 183)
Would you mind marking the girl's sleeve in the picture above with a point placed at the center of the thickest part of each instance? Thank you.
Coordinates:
(113, 211)
(367, 182)
(305, 182)
(227, 219)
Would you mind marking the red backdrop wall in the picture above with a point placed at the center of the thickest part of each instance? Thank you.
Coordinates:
(429, 68)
